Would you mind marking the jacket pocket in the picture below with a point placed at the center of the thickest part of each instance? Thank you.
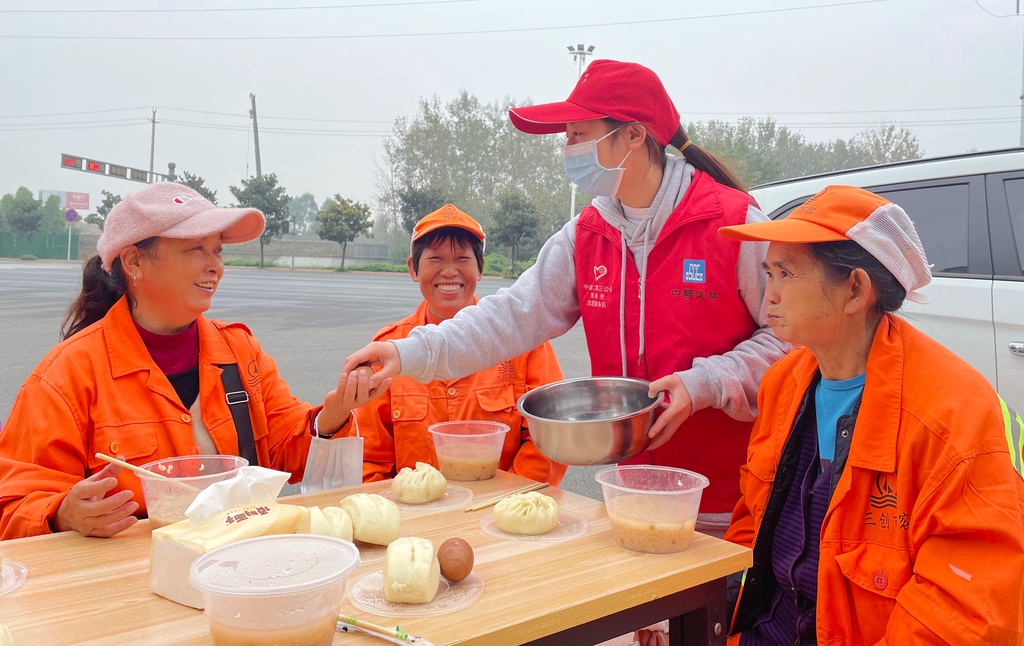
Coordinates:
(875, 570)
(135, 443)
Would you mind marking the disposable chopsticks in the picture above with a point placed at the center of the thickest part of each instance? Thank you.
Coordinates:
(487, 503)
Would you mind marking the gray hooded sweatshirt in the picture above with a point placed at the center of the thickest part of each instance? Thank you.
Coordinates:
(543, 304)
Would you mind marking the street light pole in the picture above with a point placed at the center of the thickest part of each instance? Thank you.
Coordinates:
(579, 55)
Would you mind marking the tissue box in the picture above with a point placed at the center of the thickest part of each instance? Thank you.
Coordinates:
(175, 546)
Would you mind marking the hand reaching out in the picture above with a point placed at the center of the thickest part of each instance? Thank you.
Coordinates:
(378, 353)
(353, 391)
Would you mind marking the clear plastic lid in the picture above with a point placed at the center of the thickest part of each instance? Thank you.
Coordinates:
(274, 565)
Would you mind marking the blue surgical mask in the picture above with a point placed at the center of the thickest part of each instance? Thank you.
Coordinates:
(584, 169)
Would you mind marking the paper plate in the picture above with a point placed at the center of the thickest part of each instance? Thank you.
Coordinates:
(569, 526)
(12, 575)
(367, 593)
(454, 496)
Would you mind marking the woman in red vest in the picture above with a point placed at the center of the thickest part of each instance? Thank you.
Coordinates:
(662, 296)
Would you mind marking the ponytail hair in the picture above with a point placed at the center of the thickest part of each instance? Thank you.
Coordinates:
(695, 155)
(100, 290)
(706, 161)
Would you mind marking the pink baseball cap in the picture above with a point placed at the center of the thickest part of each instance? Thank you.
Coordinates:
(172, 210)
(623, 91)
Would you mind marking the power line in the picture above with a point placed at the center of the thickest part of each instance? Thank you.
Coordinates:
(65, 114)
(455, 33)
(239, 9)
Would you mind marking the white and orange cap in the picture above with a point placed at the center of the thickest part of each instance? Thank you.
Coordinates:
(171, 210)
(838, 213)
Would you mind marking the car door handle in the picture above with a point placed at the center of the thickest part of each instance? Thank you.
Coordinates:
(1017, 348)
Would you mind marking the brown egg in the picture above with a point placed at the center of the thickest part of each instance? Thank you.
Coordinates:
(456, 558)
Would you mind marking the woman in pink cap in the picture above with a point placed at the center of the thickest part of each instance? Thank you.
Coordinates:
(882, 492)
(662, 296)
(143, 375)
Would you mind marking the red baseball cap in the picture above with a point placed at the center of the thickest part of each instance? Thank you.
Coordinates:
(622, 91)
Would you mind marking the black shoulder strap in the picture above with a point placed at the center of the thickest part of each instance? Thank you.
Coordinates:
(238, 404)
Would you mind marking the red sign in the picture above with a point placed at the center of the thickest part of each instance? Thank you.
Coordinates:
(77, 201)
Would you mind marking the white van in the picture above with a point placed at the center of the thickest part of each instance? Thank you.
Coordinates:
(969, 211)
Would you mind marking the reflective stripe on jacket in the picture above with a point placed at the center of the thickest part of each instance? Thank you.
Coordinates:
(100, 391)
(923, 541)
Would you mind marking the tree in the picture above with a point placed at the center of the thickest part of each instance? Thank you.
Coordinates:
(417, 203)
(341, 221)
(469, 153)
(303, 211)
(52, 220)
(515, 220)
(759, 150)
(24, 213)
(99, 218)
(263, 193)
(198, 184)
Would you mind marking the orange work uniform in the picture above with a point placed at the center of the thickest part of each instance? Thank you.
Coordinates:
(100, 391)
(394, 426)
(923, 540)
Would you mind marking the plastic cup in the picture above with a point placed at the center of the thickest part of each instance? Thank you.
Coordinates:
(281, 590)
(652, 509)
(167, 498)
(469, 449)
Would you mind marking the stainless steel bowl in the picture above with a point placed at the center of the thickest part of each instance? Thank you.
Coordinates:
(593, 420)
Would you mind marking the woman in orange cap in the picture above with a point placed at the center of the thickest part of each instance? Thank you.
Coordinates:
(662, 297)
(143, 375)
(882, 493)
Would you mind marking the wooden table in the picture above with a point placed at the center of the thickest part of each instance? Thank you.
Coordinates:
(96, 591)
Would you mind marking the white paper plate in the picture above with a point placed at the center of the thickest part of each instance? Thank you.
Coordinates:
(569, 526)
(367, 593)
(454, 496)
(12, 575)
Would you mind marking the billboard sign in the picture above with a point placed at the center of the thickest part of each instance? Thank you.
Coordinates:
(68, 199)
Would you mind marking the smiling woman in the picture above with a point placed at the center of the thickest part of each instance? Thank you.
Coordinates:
(143, 375)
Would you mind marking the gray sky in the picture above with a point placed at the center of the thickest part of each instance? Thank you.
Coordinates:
(950, 70)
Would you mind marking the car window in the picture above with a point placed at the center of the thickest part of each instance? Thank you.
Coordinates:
(940, 215)
(1015, 200)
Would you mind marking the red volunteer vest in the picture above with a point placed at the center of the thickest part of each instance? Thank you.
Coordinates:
(692, 309)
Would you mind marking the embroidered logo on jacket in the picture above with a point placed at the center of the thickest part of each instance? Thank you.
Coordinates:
(600, 271)
(885, 498)
(693, 271)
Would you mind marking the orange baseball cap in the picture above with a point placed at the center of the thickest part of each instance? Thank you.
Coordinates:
(447, 216)
(837, 213)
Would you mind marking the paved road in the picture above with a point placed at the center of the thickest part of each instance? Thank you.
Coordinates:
(307, 320)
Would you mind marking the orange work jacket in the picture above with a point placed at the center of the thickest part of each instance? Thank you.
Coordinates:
(923, 540)
(394, 426)
(100, 391)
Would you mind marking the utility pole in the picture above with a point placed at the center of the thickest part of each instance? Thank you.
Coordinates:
(255, 133)
(152, 145)
(579, 54)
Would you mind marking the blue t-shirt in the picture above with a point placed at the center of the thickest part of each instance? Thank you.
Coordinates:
(832, 400)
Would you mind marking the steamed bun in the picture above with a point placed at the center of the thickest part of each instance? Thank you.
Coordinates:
(374, 518)
(425, 484)
(526, 513)
(330, 521)
(411, 571)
